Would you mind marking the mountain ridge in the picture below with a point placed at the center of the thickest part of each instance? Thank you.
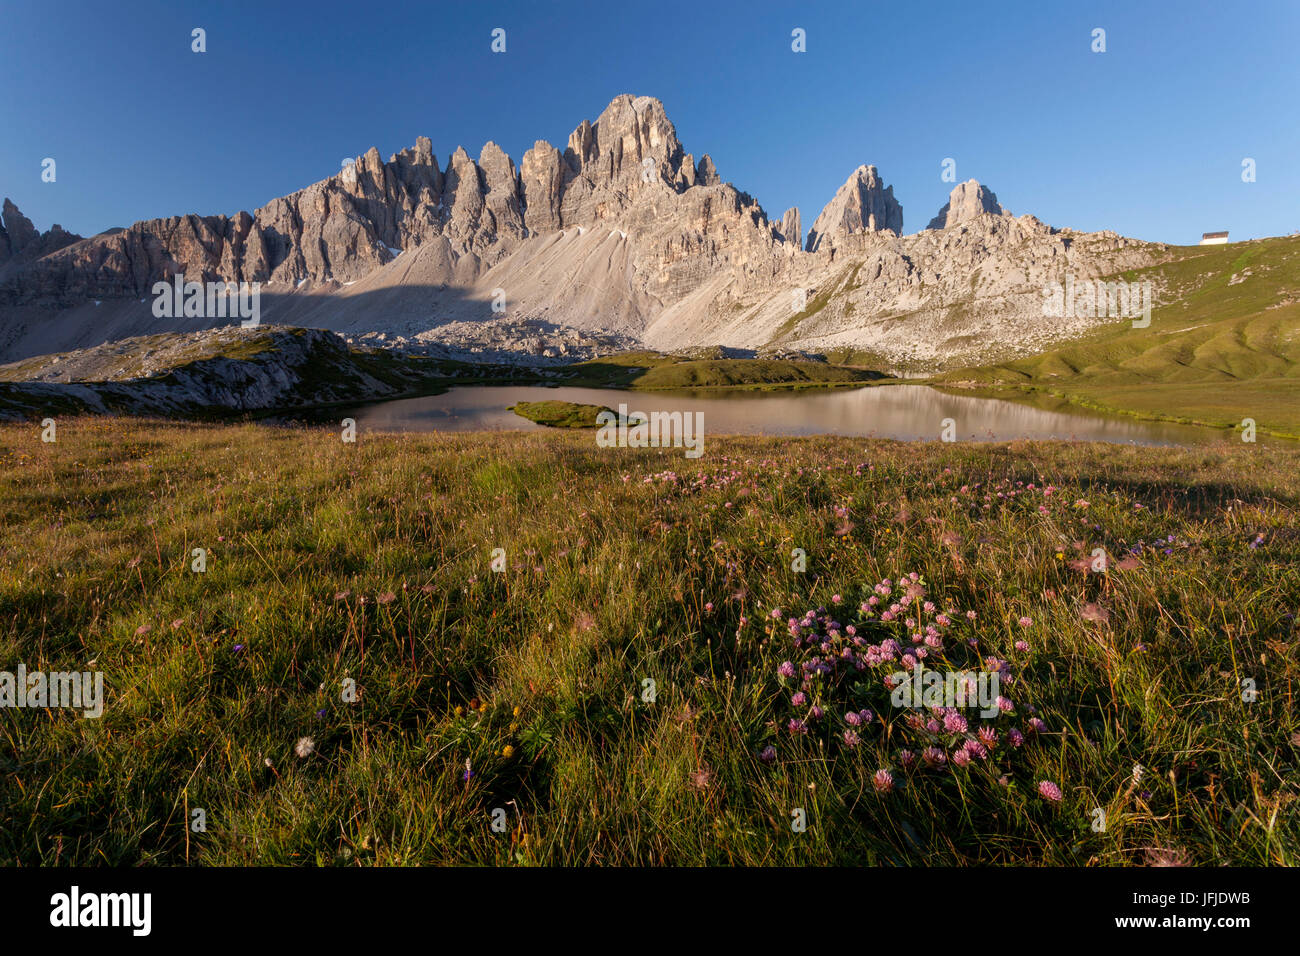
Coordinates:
(621, 233)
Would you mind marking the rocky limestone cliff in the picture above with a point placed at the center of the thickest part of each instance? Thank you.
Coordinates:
(195, 373)
(621, 236)
(936, 298)
(967, 201)
(21, 242)
(863, 204)
(791, 228)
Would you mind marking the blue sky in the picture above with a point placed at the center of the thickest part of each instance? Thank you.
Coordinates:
(1146, 139)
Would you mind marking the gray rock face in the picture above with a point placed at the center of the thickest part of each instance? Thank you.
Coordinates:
(19, 232)
(967, 201)
(504, 200)
(706, 174)
(952, 297)
(21, 242)
(791, 228)
(630, 131)
(543, 175)
(863, 204)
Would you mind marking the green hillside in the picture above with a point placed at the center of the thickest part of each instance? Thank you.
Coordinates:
(652, 371)
(1223, 344)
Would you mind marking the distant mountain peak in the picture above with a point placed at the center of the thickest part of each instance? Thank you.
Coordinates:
(21, 242)
(863, 204)
(967, 201)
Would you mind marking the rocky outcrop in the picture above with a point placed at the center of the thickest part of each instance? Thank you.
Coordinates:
(967, 201)
(19, 233)
(706, 174)
(21, 242)
(542, 176)
(791, 229)
(185, 374)
(934, 299)
(863, 204)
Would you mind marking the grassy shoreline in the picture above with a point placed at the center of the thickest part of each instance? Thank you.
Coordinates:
(1025, 394)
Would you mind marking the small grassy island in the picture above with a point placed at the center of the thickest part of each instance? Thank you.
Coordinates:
(560, 414)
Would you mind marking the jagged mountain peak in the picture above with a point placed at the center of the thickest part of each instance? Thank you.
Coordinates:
(792, 228)
(863, 204)
(22, 242)
(967, 201)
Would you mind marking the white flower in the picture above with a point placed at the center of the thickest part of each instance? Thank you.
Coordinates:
(304, 746)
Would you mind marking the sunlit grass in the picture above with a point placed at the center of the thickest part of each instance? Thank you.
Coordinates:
(329, 562)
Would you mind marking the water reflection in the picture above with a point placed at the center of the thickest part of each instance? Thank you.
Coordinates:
(906, 412)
